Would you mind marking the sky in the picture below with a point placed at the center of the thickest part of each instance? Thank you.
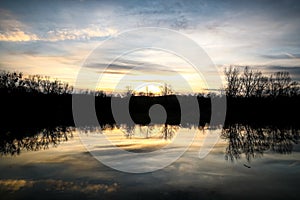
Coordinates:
(55, 38)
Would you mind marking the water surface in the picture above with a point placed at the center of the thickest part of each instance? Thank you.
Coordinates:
(247, 162)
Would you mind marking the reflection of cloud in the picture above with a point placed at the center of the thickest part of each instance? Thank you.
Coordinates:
(15, 185)
(81, 187)
(59, 185)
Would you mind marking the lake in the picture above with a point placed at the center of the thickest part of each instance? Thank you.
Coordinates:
(246, 162)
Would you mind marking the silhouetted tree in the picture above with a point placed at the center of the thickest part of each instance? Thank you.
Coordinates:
(129, 91)
(233, 81)
(100, 93)
(261, 85)
(253, 84)
(11, 82)
(33, 83)
(166, 90)
(280, 84)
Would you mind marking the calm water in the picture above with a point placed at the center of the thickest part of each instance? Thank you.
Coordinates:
(246, 163)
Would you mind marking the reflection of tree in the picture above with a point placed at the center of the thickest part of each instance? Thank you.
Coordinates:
(168, 131)
(128, 129)
(242, 139)
(253, 142)
(11, 144)
(164, 131)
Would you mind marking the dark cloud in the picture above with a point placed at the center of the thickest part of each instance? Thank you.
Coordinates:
(114, 72)
(293, 70)
(133, 67)
(109, 66)
(282, 56)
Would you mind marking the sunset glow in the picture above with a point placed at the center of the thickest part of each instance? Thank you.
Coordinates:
(33, 44)
(149, 99)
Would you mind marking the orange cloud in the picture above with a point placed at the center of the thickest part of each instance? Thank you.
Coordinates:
(18, 36)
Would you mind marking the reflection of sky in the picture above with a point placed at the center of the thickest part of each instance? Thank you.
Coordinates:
(68, 170)
(140, 138)
(54, 38)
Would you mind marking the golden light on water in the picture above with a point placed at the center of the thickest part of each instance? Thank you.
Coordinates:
(142, 138)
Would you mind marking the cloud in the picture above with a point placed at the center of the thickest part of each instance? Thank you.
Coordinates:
(114, 72)
(18, 36)
(294, 70)
(282, 56)
(79, 34)
(14, 30)
(133, 67)
(232, 32)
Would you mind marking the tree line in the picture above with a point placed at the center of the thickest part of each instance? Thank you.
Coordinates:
(239, 83)
(13, 82)
(250, 83)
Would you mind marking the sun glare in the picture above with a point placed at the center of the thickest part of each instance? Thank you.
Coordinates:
(152, 89)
